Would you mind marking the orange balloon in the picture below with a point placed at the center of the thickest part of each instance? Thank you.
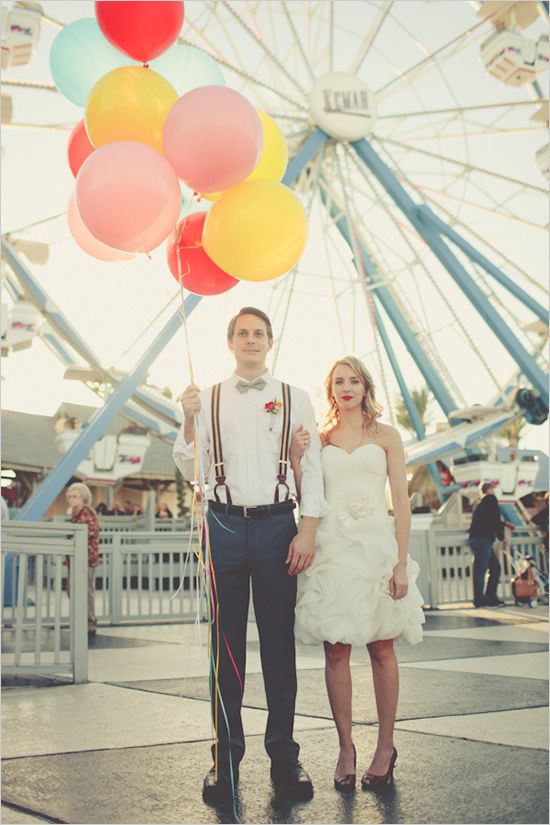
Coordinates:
(130, 103)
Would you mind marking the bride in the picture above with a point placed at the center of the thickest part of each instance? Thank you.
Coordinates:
(360, 588)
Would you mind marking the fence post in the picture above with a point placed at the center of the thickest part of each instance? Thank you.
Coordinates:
(79, 605)
(116, 578)
(432, 555)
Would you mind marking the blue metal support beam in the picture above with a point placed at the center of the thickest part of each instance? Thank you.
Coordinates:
(453, 266)
(310, 148)
(407, 398)
(38, 503)
(428, 216)
(391, 308)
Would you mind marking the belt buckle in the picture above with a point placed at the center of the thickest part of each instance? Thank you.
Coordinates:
(245, 511)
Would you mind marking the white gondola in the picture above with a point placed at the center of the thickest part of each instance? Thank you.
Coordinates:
(513, 58)
(20, 28)
(111, 458)
(20, 324)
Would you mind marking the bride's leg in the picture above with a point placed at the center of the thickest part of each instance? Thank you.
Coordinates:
(385, 675)
(338, 681)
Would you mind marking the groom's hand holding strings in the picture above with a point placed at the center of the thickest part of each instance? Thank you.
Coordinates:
(191, 405)
(302, 547)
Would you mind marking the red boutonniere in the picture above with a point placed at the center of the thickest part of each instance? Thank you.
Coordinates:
(273, 407)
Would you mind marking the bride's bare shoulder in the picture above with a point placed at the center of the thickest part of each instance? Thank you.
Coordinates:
(324, 435)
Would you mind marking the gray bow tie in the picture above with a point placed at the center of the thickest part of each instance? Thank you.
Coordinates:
(257, 384)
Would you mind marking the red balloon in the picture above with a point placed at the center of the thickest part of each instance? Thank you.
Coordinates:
(199, 273)
(142, 29)
(78, 147)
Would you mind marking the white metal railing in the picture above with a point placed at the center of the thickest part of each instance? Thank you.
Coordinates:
(43, 632)
(146, 576)
(454, 564)
(143, 577)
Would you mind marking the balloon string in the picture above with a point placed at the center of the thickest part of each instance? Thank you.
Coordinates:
(205, 562)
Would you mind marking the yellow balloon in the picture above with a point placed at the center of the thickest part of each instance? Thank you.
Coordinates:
(273, 160)
(130, 103)
(256, 230)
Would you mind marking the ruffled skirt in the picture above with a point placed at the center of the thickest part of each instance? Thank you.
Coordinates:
(343, 596)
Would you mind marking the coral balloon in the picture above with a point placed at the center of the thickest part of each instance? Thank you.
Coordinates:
(78, 147)
(128, 196)
(79, 56)
(198, 273)
(186, 68)
(131, 103)
(86, 240)
(256, 231)
(213, 138)
(142, 29)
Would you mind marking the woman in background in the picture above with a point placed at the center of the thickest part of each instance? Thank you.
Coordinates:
(79, 499)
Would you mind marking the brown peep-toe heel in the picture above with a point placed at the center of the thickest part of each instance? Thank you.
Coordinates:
(347, 782)
(373, 780)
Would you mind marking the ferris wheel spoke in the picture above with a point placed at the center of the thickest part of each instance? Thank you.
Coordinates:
(251, 78)
(468, 166)
(428, 63)
(263, 46)
(297, 39)
(461, 109)
(370, 37)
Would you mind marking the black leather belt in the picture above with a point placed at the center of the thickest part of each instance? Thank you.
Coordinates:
(258, 511)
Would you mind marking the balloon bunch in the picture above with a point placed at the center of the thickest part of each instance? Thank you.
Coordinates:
(146, 128)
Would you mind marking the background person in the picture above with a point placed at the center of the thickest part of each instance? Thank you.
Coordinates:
(487, 525)
(79, 499)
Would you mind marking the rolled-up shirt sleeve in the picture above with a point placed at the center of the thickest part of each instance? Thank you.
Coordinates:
(184, 453)
(312, 500)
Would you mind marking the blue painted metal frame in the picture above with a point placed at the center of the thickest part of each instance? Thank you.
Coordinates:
(427, 215)
(39, 502)
(407, 398)
(453, 266)
(383, 294)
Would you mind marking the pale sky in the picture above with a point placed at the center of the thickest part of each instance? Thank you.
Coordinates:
(322, 313)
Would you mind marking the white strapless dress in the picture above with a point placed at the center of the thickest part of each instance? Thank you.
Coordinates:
(343, 596)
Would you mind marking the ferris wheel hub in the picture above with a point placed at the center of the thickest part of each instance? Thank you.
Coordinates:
(343, 106)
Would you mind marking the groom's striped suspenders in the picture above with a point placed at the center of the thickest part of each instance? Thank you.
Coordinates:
(284, 452)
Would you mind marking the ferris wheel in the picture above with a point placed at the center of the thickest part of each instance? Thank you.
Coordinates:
(428, 228)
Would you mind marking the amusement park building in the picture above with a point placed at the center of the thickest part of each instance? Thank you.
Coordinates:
(29, 449)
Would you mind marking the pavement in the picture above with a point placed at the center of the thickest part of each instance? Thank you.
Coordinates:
(132, 745)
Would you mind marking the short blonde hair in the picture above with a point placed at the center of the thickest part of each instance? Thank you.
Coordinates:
(84, 491)
(370, 407)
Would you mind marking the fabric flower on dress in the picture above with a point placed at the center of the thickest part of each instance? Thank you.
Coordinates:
(358, 507)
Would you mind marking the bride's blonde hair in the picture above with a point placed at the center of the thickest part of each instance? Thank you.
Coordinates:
(370, 407)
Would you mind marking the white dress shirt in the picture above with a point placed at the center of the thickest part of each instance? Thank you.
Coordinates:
(251, 442)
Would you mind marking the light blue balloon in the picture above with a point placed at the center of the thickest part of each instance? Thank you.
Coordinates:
(186, 68)
(80, 56)
(189, 204)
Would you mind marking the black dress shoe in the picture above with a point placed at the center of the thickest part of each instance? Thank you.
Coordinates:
(290, 778)
(495, 603)
(218, 790)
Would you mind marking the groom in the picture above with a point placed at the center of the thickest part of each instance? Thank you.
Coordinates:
(244, 426)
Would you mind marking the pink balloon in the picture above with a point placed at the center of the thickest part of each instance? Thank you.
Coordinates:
(86, 240)
(128, 196)
(213, 138)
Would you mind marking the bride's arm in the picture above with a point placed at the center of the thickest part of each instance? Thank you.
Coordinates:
(299, 444)
(397, 475)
